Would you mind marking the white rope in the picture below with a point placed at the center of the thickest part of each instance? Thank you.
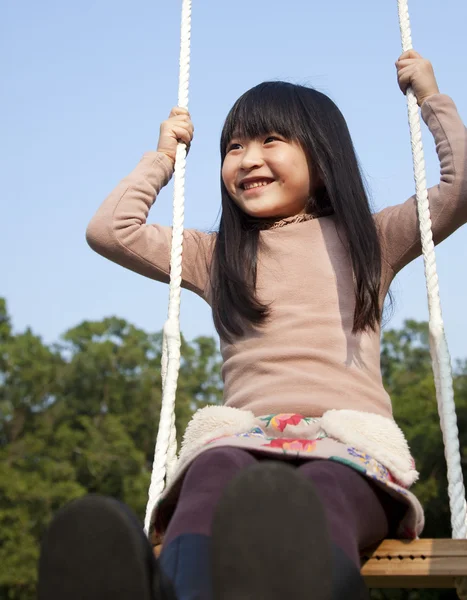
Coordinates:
(441, 359)
(165, 456)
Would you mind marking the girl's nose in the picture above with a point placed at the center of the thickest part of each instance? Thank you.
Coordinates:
(252, 157)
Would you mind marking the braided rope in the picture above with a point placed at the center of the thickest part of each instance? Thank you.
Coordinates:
(165, 456)
(441, 360)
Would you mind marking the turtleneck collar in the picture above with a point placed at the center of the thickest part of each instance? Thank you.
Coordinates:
(262, 224)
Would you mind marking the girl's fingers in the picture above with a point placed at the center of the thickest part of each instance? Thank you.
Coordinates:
(405, 62)
(410, 54)
(406, 73)
(178, 128)
(404, 78)
(182, 118)
(178, 110)
(180, 123)
(173, 122)
(182, 135)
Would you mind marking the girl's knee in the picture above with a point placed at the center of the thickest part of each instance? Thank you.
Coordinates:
(222, 459)
(325, 473)
(331, 474)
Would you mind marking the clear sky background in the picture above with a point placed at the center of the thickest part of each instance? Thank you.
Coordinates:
(86, 85)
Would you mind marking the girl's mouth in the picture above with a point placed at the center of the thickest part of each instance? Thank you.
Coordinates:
(256, 189)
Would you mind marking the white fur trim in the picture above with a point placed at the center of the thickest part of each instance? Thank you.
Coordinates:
(212, 422)
(370, 433)
(376, 435)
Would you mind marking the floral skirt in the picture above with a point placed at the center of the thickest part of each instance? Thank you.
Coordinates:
(272, 438)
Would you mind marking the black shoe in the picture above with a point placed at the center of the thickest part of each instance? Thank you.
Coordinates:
(95, 549)
(270, 538)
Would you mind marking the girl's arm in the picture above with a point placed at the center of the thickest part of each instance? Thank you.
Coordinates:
(119, 231)
(398, 225)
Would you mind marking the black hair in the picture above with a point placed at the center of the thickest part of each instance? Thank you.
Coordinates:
(312, 119)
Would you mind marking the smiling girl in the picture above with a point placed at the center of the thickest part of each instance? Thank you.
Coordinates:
(296, 275)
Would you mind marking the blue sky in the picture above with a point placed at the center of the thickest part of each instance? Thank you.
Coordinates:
(86, 85)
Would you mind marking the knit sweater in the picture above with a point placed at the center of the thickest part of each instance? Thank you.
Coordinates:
(304, 359)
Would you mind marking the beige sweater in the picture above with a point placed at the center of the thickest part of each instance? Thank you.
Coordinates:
(305, 360)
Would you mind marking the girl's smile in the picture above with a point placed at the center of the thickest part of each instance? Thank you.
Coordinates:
(255, 187)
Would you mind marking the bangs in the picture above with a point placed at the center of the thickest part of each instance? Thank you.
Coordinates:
(270, 107)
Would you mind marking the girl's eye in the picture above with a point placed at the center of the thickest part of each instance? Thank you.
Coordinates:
(236, 145)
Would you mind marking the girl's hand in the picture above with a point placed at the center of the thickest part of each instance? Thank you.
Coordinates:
(177, 128)
(415, 71)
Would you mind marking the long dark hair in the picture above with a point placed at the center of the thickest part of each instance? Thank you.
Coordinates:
(312, 119)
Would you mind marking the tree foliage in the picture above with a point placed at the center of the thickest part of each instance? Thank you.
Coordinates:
(80, 416)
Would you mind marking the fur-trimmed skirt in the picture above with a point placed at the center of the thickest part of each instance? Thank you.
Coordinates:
(371, 444)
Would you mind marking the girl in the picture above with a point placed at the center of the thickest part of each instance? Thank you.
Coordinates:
(296, 277)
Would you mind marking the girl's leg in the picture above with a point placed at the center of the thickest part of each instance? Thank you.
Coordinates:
(358, 513)
(202, 488)
(186, 556)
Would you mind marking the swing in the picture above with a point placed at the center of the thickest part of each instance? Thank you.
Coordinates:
(422, 563)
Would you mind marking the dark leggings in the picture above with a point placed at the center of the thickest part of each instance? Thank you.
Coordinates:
(359, 514)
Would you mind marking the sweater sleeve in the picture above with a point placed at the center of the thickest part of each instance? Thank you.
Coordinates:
(119, 232)
(398, 225)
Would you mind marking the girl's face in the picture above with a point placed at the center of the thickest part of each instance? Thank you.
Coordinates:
(267, 177)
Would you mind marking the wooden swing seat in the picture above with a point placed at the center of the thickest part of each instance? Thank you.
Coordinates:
(424, 563)
(411, 564)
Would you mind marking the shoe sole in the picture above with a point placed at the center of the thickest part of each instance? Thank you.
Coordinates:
(95, 549)
(270, 538)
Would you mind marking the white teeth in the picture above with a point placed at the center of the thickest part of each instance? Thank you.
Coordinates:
(248, 186)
